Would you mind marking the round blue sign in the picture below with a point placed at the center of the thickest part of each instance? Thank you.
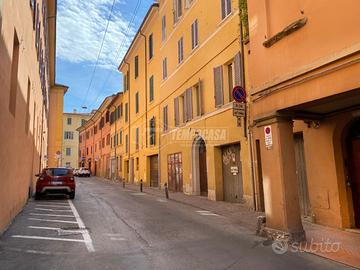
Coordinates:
(239, 94)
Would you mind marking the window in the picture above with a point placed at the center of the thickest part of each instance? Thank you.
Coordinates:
(102, 123)
(188, 106)
(120, 164)
(95, 129)
(198, 99)
(126, 112)
(163, 28)
(108, 139)
(176, 111)
(103, 143)
(137, 163)
(136, 102)
(188, 3)
(14, 74)
(126, 144)
(69, 135)
(68, 151)
(118, 110)
(87, 150)
(218, 86)
(165, 118)
(151, 47)
(69, 121)
(107, 117)
(137, 139)
(68, 165)
(164, 68)
(151, 86)
(136, 66)
(112, 117)
(83, 121)
(121, 110)
(194, 34)
(177, 10)
(152, 131)
(80, 138)
(121, 136)
(87, 135)
(225, 8)
(180, 50)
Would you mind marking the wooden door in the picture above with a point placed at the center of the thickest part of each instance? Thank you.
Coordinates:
(232, 173)
(175, 175)
(305, 206)
(154, 171)
(260, 183)
(203, 169)
(355, 177)
(131, 170)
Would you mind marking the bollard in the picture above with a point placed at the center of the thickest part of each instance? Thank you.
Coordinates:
(123, 182)
(141, 185)
(166, 191)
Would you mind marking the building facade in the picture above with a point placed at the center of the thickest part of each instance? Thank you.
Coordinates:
(304, 84)
(27, 74)
(94, 141)
(70, 141)
(176, 123)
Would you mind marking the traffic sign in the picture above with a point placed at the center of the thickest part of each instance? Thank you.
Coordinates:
(239, 94)
(239, 109)
(268, 137)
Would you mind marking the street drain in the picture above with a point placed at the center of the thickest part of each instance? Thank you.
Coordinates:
(72, 231)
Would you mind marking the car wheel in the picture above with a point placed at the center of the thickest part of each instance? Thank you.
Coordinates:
(37, 196)
(72, 195)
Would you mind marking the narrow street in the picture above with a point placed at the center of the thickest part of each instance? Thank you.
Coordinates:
(108, 227)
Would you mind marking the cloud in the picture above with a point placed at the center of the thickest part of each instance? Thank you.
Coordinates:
(81, 26)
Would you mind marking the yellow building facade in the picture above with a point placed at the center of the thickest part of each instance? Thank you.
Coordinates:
(177, 125)
(70, 138)
(27, 73)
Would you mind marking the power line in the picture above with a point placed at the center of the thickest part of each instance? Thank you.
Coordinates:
(99, 54)
(119, 50)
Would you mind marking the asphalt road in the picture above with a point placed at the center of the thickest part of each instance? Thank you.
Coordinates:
(108, 227)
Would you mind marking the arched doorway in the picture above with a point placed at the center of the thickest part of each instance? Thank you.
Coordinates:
(200, 182)
(353, 165)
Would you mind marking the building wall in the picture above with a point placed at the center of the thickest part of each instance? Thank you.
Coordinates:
(25, 128)
(72, 160)
(218, 46)
(308, 68)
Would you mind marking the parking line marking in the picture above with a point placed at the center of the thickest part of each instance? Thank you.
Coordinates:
(50, 215)
(50, 205)
(43, 228)
(85, 233)
(117, 239)
(52, 210)
(47, 238)
(138, 194)
(209, 214)
(53, 220)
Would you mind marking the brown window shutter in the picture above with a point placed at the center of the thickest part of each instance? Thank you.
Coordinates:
(239, 73)
(176, 111)
(218, 86)
(128, 80)
(189, 104)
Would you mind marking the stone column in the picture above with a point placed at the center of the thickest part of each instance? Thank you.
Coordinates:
(282, 206)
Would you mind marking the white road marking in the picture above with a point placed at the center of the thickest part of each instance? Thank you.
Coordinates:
(112, 234)
(52, 210)
(50, 215)
(117, 239)
(53, 220)
(85, 233)
(54, 203)
(208, 214)
(202, 211)
(138, 194)
(47, 238)
(161, 200)
(43, 228)
(51, 205)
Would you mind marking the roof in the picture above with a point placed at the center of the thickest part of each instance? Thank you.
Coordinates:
(154, 5)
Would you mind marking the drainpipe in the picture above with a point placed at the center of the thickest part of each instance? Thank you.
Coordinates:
(129, 118)
(115, 138)
(146, 88)
(247, 122)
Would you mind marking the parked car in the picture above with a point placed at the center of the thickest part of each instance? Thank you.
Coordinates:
(55, 181)
(84, 172)
(76, 172)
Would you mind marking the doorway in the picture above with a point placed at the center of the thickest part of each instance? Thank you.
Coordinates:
(353, 181)
(154, 171)
(175, 174)
(200, 181)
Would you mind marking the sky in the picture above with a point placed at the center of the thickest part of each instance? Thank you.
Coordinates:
(81, 25)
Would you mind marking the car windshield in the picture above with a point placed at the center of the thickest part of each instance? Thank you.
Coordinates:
(57, 172)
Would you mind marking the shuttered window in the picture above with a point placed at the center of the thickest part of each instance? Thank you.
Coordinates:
(137, 139)
(188, 105)
(164, 68)
(163, 28)
(194, 34)
(177, 9)
(136, 102)
(180, 50)
(176, 111)
(136, 71)
(152, 131)
(198, 99)
(238, 70)
(218, 86)
(151, 86)
(151, 46)
(165, 118)
(126, 112)
(225, 8)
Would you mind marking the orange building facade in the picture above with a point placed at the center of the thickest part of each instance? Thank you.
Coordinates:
(94, 141)
(305, 90)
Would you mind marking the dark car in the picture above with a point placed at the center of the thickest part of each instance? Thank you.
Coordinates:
(55, 181)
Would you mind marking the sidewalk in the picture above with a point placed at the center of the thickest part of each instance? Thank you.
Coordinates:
(240, 214)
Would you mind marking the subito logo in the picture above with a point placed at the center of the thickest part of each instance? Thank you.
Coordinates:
(280, 247)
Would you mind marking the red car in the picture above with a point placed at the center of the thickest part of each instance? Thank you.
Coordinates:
(55, 181)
